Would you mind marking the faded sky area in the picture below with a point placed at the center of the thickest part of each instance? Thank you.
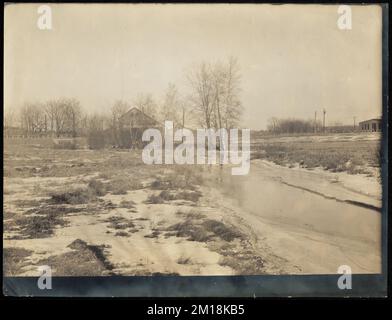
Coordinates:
(293, 58)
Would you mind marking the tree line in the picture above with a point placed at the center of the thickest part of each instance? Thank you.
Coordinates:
(211, 101)
(292, 125)
(60, 117)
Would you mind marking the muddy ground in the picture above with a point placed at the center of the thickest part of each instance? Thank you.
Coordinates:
(87, 213)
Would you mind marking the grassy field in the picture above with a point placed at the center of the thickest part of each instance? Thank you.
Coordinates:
(350, 155)
(106, 212)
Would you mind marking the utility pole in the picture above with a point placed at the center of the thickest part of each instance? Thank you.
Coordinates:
(315, 121)
(183, 117)
(46, 125)
(354, 123)
(324, 112)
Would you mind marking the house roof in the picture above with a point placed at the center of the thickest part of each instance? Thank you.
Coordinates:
(138, 118)
(374, 119)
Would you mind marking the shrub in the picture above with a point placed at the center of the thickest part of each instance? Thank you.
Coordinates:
(154, 199)
(40, 226)
(190, 231)
(97, 187)
(121, 186)
(77, 196)
(221, 230)
(96, 140)
(127, 204)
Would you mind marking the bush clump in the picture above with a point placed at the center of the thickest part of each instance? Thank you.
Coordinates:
(97, 187)
(122, 186)
(204, 231)
(221, 230)
(77, 196)
(166, 195)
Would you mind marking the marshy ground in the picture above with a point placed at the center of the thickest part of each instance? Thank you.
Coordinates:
(88, 213)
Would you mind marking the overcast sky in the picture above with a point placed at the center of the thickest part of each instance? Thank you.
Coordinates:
(293, 58)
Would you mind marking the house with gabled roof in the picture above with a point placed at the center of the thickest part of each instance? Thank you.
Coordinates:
(133, 123)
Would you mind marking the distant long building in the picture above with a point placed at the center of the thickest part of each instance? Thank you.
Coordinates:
(371, 125)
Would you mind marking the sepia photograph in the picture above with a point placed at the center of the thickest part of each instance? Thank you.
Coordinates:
(175, 140)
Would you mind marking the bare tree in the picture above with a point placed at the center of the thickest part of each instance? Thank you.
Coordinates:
(50, 111)
(218, 75)
(146, 104)
(232, 107)
(72, 113)
(185, 112)
(83, 130)
(59, 117)
(291, 125)
(273, 124)
(62, 116)
(172, 107)
(215, 93)
(96, 136)
(32, 118)
(10, 117)
(118, 109)
(202, 95)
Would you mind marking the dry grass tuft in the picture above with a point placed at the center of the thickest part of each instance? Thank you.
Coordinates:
(336, 156)
(83, 260)
(221, 230)
(203, 231)
(14, 259)
(166, 195)
(184, 260)
(121, 186)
